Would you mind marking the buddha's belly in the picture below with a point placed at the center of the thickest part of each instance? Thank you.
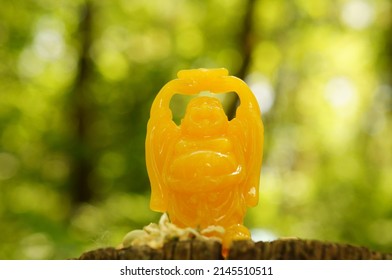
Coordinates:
(203, 171)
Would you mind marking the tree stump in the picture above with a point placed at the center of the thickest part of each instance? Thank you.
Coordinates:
(283, 249)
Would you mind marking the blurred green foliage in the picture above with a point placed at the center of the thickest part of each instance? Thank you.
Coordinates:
(77, 80)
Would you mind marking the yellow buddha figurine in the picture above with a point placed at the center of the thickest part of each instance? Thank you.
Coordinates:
(205, 172)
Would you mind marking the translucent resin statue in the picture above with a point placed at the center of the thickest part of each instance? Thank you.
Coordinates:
(205, 172)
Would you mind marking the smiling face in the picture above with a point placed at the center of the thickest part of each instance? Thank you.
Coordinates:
(204, 117)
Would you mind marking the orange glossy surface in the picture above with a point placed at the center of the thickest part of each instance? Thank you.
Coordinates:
(206, 171)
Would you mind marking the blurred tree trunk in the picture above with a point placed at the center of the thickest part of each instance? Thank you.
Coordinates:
(246, 45)
(384, 57)
(81, 111)
(389, 51)
(389, 47)
(246, 39)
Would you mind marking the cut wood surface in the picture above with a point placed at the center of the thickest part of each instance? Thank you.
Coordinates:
(282, 249)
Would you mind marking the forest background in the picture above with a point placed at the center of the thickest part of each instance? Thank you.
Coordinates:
(77, 79)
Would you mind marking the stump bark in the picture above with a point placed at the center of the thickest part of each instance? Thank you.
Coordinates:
(284, 249)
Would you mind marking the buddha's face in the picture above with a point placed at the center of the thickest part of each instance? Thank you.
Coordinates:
(204, 117)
